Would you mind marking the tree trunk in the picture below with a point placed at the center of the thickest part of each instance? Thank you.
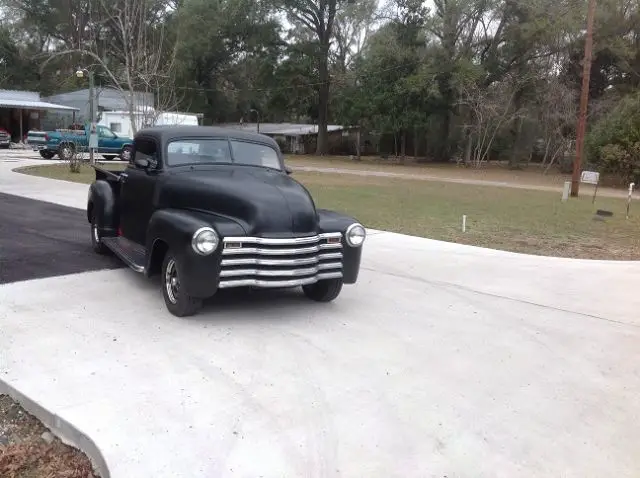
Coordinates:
(403, 146)
(395, 144)
(323, 102)
(415, 144)
(467, 149)
(358, 140)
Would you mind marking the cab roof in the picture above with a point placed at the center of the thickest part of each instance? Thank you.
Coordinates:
(165, 134)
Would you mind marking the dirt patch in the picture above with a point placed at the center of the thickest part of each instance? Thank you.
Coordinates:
(29, 450)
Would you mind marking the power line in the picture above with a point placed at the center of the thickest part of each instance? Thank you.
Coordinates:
(291, 87)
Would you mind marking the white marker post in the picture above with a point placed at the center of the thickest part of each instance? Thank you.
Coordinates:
(464, 223)
(631, 185)
(565, 191)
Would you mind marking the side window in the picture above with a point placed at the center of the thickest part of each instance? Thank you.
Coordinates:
(145, 149)
(104, 132)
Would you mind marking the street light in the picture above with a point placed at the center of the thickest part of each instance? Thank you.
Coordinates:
(80, 72)
(257, 118)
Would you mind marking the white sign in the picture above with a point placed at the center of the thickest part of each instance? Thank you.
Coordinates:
(590, 177)
(93, 141)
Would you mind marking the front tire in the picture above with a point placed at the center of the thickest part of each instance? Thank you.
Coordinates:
(108, 157)
(324, 290)
(176, 298)
(46, 154)
(96, 238)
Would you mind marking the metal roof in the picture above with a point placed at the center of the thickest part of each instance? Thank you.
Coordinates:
(32, 105)
(21, 95)
(285, 129)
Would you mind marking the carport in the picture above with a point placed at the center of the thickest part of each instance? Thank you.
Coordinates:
(21, 111)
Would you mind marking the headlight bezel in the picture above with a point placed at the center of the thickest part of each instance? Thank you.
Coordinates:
(195, 241)
(349, 231)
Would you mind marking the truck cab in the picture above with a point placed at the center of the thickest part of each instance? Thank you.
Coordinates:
(213, 208)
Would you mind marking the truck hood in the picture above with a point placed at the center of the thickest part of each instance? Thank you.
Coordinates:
(262, 201)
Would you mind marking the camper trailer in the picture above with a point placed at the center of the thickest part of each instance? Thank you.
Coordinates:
(120, 121)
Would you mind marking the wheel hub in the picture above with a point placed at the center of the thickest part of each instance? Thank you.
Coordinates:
(172, 282)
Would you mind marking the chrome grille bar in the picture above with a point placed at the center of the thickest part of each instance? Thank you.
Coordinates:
(279, 251)
(278, 284)
(289, 241)
(282, 262)
(280, 272)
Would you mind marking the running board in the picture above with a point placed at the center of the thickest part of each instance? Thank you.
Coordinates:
(131, 253)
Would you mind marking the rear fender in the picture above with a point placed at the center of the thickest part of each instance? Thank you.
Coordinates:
(102, 203)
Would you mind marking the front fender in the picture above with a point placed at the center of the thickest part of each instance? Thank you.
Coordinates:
(102, 202)
(331, 221)
(173, 229)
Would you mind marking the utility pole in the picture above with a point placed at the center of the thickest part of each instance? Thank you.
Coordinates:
(584, 100)
(92, 114)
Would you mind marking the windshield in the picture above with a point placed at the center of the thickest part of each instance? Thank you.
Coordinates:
(208, 151)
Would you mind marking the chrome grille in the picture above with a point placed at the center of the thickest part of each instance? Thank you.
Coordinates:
(280, 262)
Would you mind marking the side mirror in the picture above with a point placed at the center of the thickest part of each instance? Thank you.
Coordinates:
(288, 170)
(141, 163)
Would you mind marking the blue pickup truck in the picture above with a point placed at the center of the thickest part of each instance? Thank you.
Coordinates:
(66, 142)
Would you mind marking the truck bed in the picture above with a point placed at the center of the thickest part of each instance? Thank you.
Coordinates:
(111, 175)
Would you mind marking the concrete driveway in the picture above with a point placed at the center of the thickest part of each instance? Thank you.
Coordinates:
(444, 360)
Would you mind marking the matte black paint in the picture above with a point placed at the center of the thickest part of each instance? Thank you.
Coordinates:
(168, 204)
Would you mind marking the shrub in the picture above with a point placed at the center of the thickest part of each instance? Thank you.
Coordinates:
(613, 145)
(622, 160)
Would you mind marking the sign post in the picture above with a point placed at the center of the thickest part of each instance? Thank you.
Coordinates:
(591, 177)
(93, 143)
(631, 185)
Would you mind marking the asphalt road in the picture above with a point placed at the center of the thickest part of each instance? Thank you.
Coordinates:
(40, 239)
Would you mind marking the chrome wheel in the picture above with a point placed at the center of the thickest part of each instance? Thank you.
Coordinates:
(66, 153)
(96, 234)
(171, 282)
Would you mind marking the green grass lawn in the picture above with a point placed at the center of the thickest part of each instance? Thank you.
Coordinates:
(534, 222)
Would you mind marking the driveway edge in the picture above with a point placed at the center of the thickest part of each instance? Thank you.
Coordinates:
(64, 430)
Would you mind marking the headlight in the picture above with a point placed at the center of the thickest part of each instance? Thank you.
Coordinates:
(355, 235)
(205, 241)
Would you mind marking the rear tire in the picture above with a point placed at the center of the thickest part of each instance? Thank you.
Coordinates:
(96, 238)
(176, 298)
(66, 152)
(324, 290)
(47, 154)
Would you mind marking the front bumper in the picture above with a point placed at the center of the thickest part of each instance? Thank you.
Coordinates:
(279, 263)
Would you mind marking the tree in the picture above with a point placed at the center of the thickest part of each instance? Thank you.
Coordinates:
(353, 27)
(229, 66)
(318, 16)
(125, 43)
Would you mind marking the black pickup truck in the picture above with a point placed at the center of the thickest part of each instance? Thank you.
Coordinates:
(211, 208)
